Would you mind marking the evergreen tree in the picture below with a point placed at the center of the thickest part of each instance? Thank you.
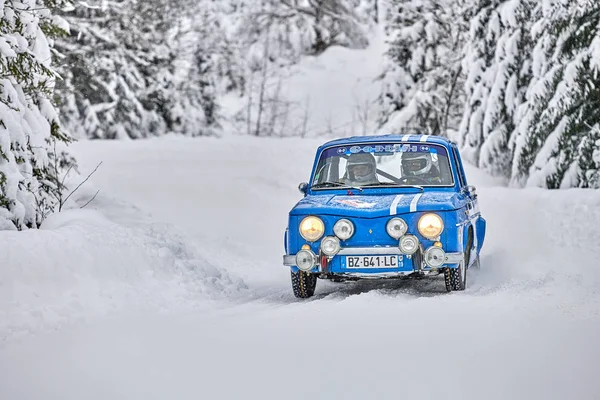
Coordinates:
(32, 144)
(105, 70)
(558, 139)
(498, 62)
(300, 27)
(332, 22)
(422, 83)
(208, 65)
(128, 64)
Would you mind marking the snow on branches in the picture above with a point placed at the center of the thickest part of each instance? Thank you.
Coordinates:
(422, 83)
(31, 140)
(529, 74)
(558, 134)
(497, 64)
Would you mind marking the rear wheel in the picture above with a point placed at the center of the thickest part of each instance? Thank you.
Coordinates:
(304, 284)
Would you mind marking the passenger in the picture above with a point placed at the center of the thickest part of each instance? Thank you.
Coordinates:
(421, 167)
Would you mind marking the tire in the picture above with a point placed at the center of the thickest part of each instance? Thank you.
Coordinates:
(456, 278)
(304, 284)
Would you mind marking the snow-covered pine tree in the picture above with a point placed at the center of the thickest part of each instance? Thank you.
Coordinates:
(331, 22)
(31, 141)
(422, 83)
(369, 11)
(133, 68)
(558, 136)
(300, 27)
(498, 74)
(105, 68)
(209, 64)
(205, 65)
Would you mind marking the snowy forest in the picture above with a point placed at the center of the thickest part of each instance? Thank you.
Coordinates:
(514, 82)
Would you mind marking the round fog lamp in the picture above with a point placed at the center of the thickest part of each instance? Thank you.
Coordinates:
(305, 260)
(396, 227)
(409, 244)
(435, 257)
(344, 229)
(330, 246)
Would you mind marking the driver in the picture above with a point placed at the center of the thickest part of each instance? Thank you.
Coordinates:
(361, 170)
(421, 167)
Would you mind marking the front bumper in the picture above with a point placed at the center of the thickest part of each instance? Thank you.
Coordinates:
(335, 266)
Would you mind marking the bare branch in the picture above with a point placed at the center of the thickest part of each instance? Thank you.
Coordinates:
(92, 199)
(305, 116)
(250, 99)
(66, 173)
(84, 181)
(263, 84)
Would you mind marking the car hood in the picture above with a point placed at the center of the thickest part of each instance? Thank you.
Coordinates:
(378, 205)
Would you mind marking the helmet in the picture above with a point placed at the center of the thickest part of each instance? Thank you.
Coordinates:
(361, 167)
(415, 164)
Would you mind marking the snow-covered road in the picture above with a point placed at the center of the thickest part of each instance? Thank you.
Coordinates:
(526, 328)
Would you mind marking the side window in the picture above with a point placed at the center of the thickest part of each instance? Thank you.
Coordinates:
(459, 170)
(342, 168)
(322, 172)
(330, 170)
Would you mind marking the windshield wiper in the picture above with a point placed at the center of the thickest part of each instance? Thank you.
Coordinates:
(397, 185)
(326, 184)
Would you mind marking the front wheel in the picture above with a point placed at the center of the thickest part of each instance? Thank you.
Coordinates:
(456, 278)
(304, 284)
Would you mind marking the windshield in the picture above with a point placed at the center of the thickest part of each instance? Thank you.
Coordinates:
(384, 164)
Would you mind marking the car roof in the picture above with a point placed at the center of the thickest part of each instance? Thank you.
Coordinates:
(388, 138)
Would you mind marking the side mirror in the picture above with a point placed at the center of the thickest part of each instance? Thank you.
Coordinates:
(472, 191)
(303, 187)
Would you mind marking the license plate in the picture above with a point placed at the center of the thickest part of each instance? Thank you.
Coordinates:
(373, 261)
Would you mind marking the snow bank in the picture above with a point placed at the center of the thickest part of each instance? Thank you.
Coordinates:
(334, 93)
(81, 266)
(525, 328)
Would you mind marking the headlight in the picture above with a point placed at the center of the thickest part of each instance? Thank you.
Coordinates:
(330, 245)
(343, 229)
(312, 228)
(435, 257)
(409, 244)
(396, 228)
(306, 260)
(431, 226)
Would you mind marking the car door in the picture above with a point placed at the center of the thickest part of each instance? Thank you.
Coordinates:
(472, 211)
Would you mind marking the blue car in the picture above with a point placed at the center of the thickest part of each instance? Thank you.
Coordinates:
(391, 206)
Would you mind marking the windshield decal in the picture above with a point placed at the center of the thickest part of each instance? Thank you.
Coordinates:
(355, 203)
(389, 148)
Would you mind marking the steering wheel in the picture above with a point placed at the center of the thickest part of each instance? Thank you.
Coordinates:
(413, 180)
